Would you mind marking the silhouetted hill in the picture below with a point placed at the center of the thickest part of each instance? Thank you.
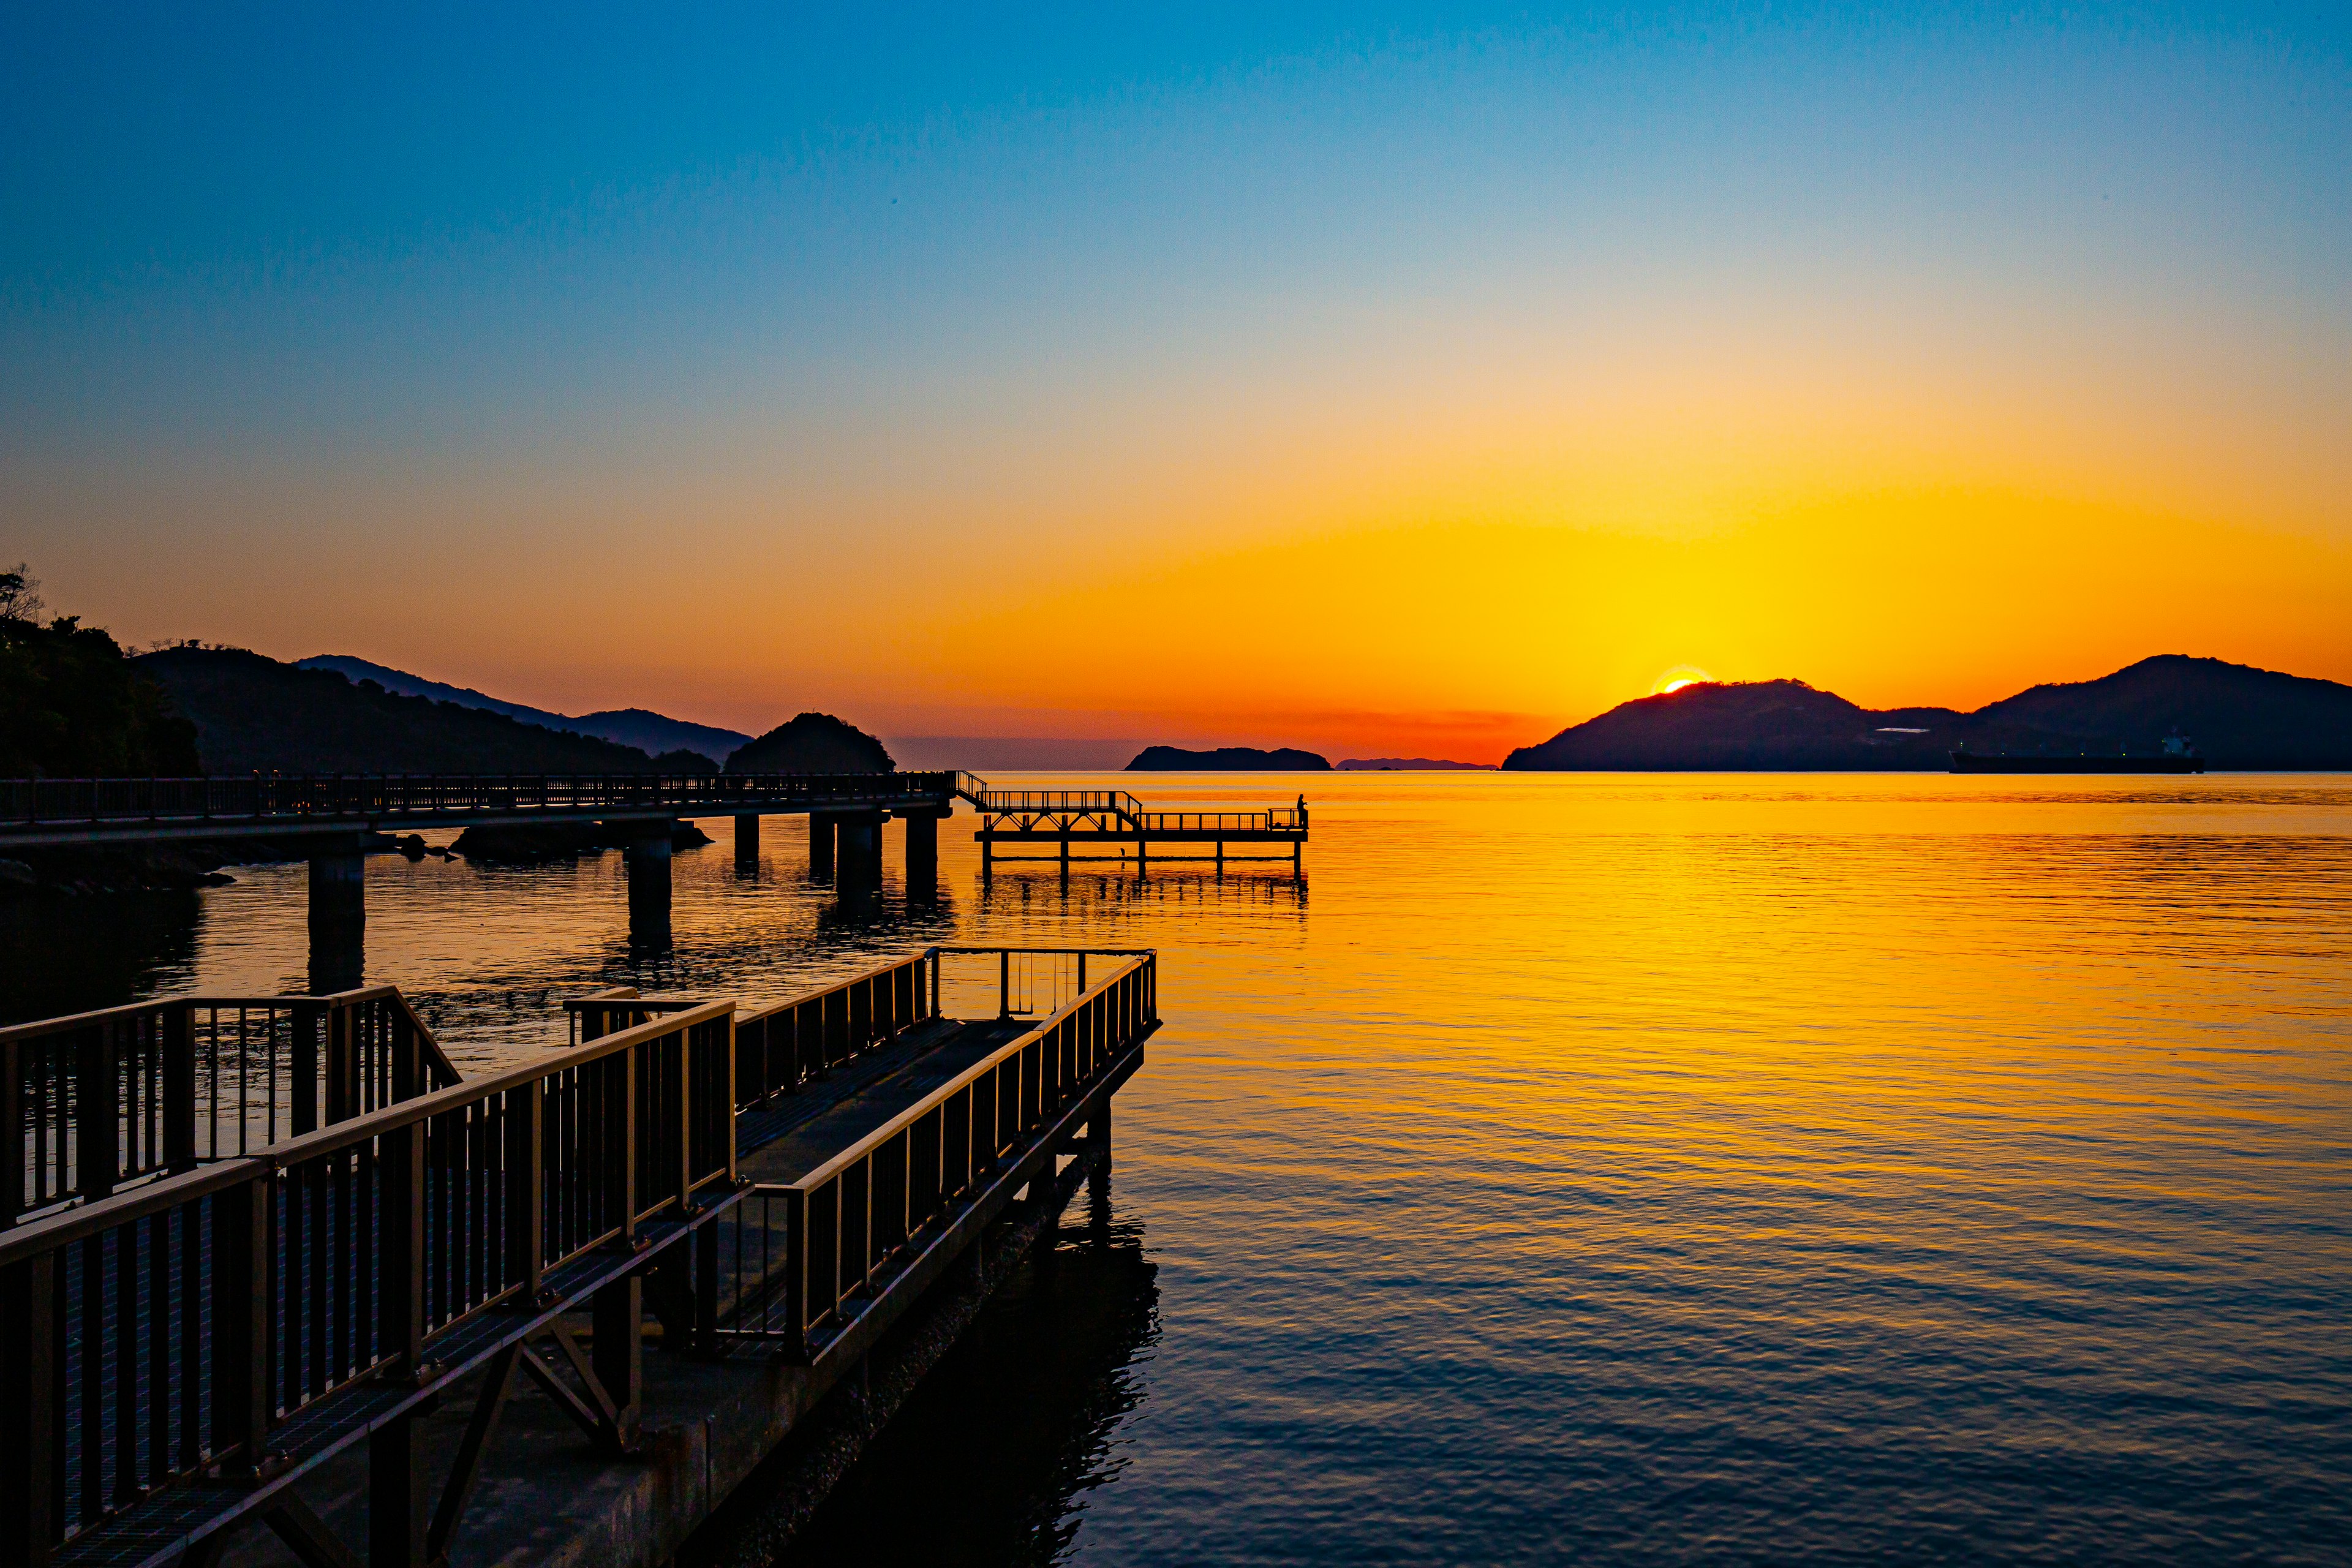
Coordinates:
(813, 744)
(253, 712)
(648, 731)
(1408, 765)
(2240, 717)
(72, 705)
(1227, 760)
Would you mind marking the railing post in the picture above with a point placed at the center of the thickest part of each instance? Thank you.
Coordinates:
(624, 1144)
(29, 1373)
(95, 1111)
(302, 1071)
(525, 1195)
(408, 1078)
(680, 1072)
(179, 1047)
(13, 1137)
(241, 1271)
(1004, 983)
(795, 1261)
(400, 1231)
(341, 1066)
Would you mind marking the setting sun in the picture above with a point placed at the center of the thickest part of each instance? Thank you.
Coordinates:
(1674, 679)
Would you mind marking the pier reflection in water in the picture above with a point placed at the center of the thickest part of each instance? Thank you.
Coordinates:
(1629, 1170)
(1004, 1440)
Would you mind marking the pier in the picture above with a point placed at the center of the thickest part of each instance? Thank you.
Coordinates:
(270, 1262)
(1107, 824)
(333, 820)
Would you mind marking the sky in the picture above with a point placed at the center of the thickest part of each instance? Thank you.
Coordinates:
(1389, 381)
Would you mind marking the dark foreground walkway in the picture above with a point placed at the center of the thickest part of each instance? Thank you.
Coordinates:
(453, 1366)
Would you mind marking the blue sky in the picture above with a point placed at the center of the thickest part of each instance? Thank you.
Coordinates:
(1003, 270)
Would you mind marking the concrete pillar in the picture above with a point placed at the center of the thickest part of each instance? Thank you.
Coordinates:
(747, 839)
(861, 850)
(922, 854)
(1098, 1176)
(823, 827)
(646, 864)
(338, 921)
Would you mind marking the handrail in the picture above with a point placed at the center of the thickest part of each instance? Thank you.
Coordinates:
(95, 1101)
(305, 796)
(273, 1280)
(782, 1045)
(140, 1202)
(988, 1064)
(859, 1215)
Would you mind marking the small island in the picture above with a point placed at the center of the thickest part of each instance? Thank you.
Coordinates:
(1227, 760)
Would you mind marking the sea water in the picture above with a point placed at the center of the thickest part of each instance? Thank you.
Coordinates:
(1578, 1168)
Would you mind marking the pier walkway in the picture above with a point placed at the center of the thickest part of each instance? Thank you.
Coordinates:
(272, 1261)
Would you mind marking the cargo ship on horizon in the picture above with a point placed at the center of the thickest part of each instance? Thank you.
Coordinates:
(2179, 756)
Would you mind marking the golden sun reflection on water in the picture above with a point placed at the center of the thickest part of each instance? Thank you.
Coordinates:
(1642, 1168)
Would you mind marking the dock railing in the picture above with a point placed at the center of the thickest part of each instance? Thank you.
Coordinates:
(167, 1330)
(99, 1101)
(263, 799)
(779, 1046)
(798, 1258)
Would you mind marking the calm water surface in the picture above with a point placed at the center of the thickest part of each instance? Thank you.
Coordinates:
(1613, 1169)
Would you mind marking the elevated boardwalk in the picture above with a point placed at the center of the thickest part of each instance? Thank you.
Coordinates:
(38, 812)
(415, 1333)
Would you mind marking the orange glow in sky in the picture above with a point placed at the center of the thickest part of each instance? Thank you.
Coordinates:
(1385, 401)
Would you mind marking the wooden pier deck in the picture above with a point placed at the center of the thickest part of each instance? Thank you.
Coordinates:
(415, 1333)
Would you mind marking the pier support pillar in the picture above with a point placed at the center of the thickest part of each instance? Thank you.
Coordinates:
(747, 840)
(396, 1497)
(860, 866)
(618, 1314)
(922, 853)
(823, 827)
(1098, 1177)
(647, 863)
(338, 920)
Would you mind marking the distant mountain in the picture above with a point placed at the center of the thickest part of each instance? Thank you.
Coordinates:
(1012, 753)
(1227, 760)
(648, 731)
(2240, 717)
(813, 744)
(1408, 765)
(255, 713)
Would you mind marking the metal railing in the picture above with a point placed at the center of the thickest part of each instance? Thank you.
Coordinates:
(1108, 806)
(1059, 802)
(98, 1101)
(782, 1045)
(797, 1258)
(1281, 819)
(302, 797)
(166, 1330)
